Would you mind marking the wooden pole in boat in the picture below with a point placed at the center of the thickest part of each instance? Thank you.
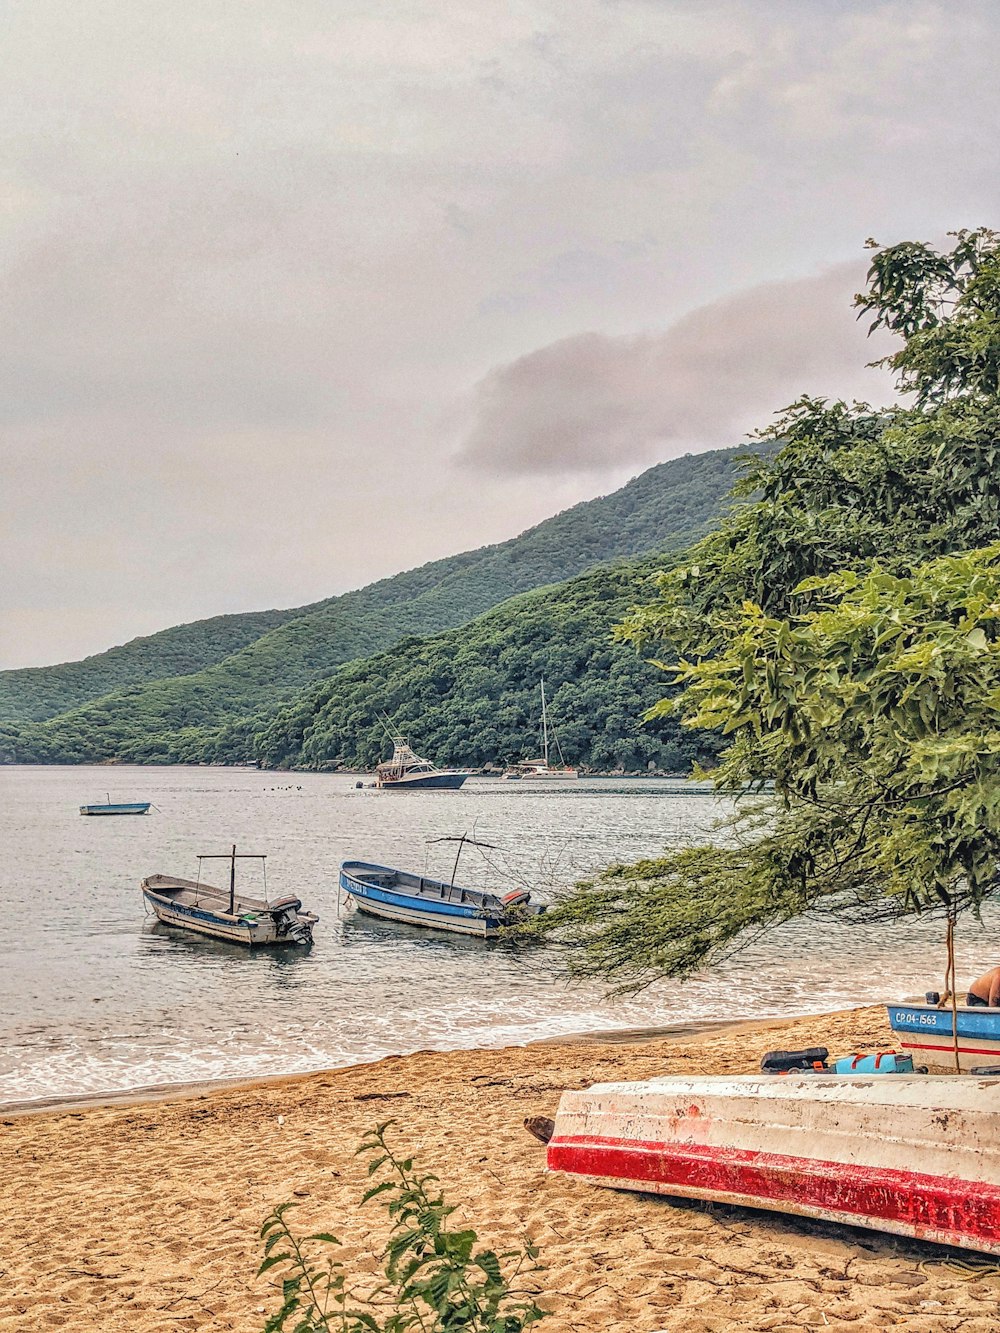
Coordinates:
(954, 992)
(454, 869)
(473, 842)
(232, 858)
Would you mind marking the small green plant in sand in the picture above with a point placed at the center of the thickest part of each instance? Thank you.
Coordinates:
(436, 1280)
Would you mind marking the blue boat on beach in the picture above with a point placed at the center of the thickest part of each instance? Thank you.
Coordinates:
(110, 807)
(397, 895)
(926, 1030)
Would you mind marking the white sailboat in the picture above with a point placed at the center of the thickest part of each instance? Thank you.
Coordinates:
(535, 769)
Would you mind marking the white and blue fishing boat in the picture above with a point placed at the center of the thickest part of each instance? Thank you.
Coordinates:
(406, 771)
(927, 1031)
(226, 914)
(398, 895)
(110, 807)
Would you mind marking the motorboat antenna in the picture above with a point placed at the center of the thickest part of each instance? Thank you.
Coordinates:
(545, 728)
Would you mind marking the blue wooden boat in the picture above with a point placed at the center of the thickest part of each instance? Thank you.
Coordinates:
(927, 1032)
(225, 914)
(397, 895)
(110, 807)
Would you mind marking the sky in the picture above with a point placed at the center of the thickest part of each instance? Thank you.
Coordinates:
(300, 293)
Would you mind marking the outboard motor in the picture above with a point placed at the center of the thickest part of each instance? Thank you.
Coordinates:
(288, 922)
(518, 898)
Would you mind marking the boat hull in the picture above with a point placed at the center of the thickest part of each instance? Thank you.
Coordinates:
(416, 917)
(252, 924)
(423, 781)
(202, 923)
(927, 1033)
(130, 808)
(407, 898)
(817, 1146)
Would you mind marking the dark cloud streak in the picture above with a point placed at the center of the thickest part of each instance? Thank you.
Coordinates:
(593, 402)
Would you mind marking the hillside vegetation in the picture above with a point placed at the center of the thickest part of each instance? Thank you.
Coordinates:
(471, 696)
(169, 719)
(30, 694)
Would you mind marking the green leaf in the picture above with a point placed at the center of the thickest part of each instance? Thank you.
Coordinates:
(271, 1261)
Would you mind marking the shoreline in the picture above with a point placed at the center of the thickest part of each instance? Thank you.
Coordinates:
(144, 1217)
(147, 1093)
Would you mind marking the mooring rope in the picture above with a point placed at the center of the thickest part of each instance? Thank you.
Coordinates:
(963, 1270)
(950, 985)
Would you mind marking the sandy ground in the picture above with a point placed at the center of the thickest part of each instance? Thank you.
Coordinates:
(145, 1216)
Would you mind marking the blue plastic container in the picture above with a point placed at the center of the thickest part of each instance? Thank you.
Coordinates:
(884, 1062)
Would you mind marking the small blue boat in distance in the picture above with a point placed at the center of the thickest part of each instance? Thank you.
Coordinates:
(110, 807)
(398, 895)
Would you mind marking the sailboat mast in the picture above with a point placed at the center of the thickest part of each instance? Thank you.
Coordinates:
(232, 882)
(545, 728)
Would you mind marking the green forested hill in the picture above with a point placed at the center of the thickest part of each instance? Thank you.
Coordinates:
(664, 509)
(471, 695)
(30, 694)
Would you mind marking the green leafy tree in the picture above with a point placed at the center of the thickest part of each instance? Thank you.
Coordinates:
(840, 630)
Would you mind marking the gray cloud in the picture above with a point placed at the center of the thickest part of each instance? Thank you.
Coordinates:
(256, 257)
(591, 402)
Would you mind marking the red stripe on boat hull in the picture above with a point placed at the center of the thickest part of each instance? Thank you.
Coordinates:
(963, 1049)
(948, 1209)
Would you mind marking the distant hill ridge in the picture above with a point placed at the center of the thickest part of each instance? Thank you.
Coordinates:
(249, 664)
(29, 694)
(470, 695)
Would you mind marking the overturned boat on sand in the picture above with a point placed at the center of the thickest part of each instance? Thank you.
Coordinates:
(914, 1155)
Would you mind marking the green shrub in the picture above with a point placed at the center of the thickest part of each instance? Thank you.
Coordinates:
(436, 1280)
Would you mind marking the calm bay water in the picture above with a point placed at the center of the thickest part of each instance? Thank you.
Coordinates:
(96, 997)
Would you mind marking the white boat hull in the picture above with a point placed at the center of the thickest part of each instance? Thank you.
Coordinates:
(926, 1031)
(913, 1155)
(480, 928)
(238, 933)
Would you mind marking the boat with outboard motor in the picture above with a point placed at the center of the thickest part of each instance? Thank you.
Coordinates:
(225, 914)
(910, 1154)
(398, 895)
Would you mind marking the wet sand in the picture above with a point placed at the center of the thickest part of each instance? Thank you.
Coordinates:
(144, 1216)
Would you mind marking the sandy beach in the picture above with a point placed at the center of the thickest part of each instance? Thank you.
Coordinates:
(144, 1216)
